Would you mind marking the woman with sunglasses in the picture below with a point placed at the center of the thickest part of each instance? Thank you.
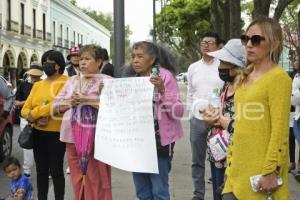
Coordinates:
(262, 102)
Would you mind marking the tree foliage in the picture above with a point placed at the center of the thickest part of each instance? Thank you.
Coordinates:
(181, 23)
(74, 2)
(291, 24)
(106, 20)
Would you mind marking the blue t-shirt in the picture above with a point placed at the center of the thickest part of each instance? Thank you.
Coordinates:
(21, 186)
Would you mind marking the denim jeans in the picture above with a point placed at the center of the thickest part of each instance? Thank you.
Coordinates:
(217, 175)
(154, 186)
(297, 130)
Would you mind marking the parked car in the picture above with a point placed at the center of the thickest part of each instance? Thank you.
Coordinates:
(6, 134)
(182, 77)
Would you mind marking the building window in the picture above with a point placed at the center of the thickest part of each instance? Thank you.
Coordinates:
(68, 33)
(74, 37)
(82, 39)
(34, 23)
(22, 19)
(9, 15)
(44, 26)
(54, 35)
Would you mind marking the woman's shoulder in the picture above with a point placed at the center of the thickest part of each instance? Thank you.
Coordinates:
(279, 74)
(63, 78)
(165, 72)
(104, 76)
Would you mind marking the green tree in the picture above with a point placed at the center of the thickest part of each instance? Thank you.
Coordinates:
(290, 20)
(226, 18)
(74, 2)
(181, 23)
(262, 8)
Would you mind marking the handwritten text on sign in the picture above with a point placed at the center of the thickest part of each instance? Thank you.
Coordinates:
(125, 128)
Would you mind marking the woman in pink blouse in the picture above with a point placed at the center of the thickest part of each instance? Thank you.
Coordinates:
(84, 89)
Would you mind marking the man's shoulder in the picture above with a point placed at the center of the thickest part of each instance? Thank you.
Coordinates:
(194, 65)
(199, 62)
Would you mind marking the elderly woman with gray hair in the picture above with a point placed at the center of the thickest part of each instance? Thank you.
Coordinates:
(232, 61)
(167, 111)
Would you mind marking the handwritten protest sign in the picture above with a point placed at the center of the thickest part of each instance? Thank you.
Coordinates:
(125, 129)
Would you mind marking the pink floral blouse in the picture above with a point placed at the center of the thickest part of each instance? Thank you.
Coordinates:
(90, 89)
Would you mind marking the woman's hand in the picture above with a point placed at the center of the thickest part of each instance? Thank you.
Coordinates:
(76, 99)
(158, 82)
(30, 118)
(268, 183)
(224, 121)
(42, 121)
(211, 116)
(18, 104)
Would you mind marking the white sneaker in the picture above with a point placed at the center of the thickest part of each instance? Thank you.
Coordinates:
(68, 170)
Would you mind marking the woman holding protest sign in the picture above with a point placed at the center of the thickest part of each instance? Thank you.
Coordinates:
(150, 60)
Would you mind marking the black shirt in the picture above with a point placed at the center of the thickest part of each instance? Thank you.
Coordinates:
(108, 69)
(23, 90)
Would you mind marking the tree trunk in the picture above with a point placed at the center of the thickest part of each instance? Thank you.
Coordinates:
(261, 8)
(282, 4)
(226, 24)
(235, 18)
(215, 17)
(298, 35)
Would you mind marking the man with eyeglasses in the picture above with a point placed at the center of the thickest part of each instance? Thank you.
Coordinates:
(203, 78)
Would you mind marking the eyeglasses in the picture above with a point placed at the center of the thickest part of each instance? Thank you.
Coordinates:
(209, 43)
(255, 39)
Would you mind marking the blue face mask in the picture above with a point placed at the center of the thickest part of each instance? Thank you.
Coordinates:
(224, 75)
(49, 68)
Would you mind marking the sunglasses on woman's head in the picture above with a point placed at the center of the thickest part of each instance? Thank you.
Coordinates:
(255, 39)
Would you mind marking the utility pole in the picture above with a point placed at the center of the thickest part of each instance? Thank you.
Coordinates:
(154, 22)
(119, 37)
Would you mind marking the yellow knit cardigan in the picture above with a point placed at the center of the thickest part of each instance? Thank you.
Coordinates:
(260, 139)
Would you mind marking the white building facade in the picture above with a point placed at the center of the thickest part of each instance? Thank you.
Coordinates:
(30, 27)
(71, 27)
(24, 35)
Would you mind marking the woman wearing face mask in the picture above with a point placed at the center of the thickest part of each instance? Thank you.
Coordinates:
(48, 150)
(232, 60)
(23, 90)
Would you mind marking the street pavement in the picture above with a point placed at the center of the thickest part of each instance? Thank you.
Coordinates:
(181, 187)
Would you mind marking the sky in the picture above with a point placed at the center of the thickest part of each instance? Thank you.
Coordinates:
(138, 15)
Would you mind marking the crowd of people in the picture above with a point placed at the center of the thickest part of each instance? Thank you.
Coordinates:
(239, 102)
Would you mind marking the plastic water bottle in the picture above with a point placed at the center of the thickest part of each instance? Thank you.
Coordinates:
(215, 98)
(270, 197)
(155, 73)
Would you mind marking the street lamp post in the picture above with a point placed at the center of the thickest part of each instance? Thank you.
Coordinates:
(154, 22)
(119, 36)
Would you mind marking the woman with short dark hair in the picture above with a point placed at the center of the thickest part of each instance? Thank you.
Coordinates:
(47, 149)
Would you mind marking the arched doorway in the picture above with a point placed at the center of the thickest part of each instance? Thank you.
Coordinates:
(8, 63)
(21, 66)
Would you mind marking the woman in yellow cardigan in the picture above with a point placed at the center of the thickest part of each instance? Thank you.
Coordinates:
(261, 105)
(47, 149)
